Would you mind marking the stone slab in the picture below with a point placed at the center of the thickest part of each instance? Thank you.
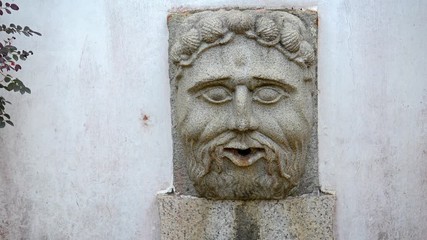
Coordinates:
(309, 182)
(306, 217)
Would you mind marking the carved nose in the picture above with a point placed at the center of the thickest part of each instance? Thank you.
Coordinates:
(243, 118)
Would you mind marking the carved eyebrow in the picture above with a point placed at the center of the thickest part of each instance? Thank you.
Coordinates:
(220, 80)
(275, 81)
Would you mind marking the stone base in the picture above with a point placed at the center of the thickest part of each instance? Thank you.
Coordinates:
(306, 217)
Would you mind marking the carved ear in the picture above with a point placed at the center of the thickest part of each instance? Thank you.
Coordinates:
(309, 74)
(178, 75)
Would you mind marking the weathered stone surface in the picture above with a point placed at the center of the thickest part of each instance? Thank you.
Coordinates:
(244, 103)
(306, 217)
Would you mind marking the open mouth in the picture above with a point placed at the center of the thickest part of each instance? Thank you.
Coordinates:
(243, 157)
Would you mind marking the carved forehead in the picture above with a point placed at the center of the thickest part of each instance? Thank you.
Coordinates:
(243, 58)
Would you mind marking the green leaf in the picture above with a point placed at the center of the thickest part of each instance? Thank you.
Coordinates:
(10, 122)
(10, 87)
(28, 90)
(11, 48)
(18, 82)
(2, 124)
(15, 57)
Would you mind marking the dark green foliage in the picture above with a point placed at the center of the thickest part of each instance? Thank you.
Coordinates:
(9, 58)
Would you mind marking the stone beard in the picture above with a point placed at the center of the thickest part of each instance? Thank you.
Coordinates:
(244, 113)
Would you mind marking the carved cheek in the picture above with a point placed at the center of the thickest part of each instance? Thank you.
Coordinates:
(204, 120)
(281, 122)
(181, 107)
(293, 123)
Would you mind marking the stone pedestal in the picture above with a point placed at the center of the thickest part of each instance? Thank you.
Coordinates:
(304, 217)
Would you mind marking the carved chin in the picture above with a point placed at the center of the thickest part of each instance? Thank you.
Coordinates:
(245, 183)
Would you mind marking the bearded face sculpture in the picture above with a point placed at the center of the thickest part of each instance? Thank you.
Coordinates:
(244, 102)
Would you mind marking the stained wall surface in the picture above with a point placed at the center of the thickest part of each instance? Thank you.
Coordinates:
(92, 144)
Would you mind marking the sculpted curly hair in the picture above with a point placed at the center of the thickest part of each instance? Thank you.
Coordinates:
(282, 31)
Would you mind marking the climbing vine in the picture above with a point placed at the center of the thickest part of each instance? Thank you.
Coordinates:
(10, 59)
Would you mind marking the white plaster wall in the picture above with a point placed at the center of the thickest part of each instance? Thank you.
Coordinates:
(373, 116)
(92, 143)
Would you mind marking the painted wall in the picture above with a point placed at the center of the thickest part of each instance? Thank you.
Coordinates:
(373, 116)
(92, 144)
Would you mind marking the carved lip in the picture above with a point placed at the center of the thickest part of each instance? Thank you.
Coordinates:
(243, 156)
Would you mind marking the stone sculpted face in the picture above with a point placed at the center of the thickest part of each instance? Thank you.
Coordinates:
(244, 113)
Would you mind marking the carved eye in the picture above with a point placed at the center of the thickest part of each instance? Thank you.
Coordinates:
(217, 95)
(268, 95)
